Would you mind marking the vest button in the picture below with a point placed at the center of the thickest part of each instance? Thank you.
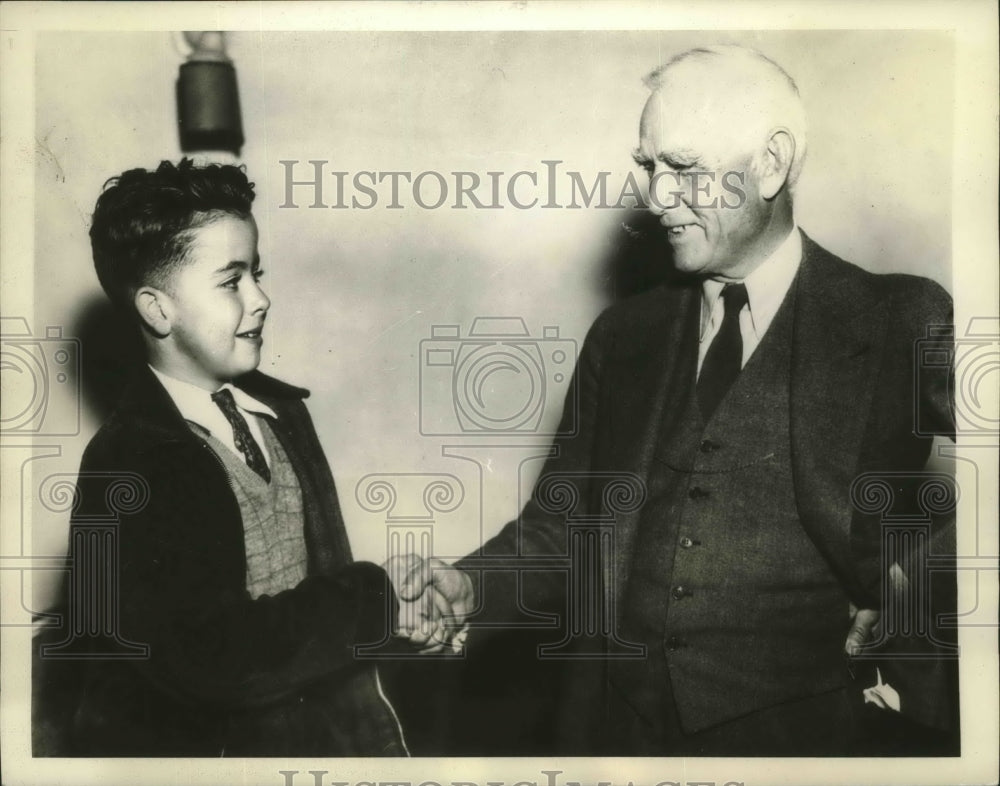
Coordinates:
(680, 592)
(697, 493)
(674, 643)
(686, 543)
(707, 446)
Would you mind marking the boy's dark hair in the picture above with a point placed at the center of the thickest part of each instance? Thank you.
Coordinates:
(141, 224)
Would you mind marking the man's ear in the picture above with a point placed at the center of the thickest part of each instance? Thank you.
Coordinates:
(778, 156)
(154, 310)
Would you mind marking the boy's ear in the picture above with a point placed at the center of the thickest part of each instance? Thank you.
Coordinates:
(153, 310)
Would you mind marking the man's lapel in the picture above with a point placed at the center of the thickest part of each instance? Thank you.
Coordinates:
(656, 355)
(839, 329)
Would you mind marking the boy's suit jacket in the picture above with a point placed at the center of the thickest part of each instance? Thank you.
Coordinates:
(227, 674)
(854, 394)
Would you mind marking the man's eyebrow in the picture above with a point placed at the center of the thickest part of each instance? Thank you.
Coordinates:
(676, 160)
(680, 158)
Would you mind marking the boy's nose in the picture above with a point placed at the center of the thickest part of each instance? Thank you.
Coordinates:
(259, 301)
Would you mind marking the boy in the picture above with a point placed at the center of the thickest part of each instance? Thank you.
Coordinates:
(237, 573)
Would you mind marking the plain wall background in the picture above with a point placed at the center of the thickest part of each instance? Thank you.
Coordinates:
(355, 291)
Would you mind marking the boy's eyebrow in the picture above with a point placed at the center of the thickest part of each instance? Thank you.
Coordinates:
(239, 264)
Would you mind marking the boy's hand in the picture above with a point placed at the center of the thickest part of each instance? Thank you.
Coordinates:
(425, 623)
(434, 600)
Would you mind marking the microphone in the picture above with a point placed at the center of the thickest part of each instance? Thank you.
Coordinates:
(208, 101)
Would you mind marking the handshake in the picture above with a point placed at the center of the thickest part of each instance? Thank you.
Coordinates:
(435, 600)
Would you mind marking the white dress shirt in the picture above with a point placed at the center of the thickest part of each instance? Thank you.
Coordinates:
(196, 406)
(766, 286)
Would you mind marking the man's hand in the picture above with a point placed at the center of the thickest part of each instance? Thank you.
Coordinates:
(863, 630)
(863, 622)
(864, 627)
(434, 600)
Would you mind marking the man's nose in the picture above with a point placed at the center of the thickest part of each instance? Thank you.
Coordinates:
(666, 192)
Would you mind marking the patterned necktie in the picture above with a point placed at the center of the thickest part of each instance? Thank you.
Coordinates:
(245, 443)
(724, 358)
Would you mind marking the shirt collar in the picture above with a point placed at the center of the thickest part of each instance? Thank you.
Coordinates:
(195, 403)
(767, 284)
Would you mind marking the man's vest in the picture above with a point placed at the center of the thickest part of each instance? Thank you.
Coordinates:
(737, 608)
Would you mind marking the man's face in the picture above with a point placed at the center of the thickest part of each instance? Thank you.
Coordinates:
(702, 186)
(215, 304)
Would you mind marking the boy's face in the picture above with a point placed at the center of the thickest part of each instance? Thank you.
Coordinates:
(215, 305)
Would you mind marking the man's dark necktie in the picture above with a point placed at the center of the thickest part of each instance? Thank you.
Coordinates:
(243, 439)
(724, 358)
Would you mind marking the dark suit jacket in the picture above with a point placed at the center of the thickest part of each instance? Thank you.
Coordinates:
(854, 393)
(226, 674)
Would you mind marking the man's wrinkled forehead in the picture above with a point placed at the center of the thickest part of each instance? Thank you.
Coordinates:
(683, 119)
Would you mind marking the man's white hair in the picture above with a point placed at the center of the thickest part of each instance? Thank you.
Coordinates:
(770, 96)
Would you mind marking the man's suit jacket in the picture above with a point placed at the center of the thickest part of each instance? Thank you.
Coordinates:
(854, 392)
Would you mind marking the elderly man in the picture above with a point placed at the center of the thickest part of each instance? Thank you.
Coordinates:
(747, 396)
